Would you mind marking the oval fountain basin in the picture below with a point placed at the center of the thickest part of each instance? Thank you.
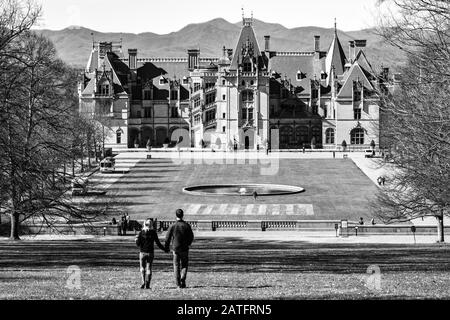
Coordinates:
(242, 190)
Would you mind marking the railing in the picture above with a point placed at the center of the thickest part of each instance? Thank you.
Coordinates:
(165, 225)
(228, 225)
(292, 53)
(278, 225)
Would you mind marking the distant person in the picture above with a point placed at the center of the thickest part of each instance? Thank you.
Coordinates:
(255, 195)
(127, 218)
(180, 235)
(145, 241)
(124, 225)
(361, 221)
(113, 221)
(383, 180)
(372, 222)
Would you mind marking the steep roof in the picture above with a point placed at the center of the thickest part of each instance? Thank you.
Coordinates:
(364, 63)
(247, 34)
(92, 62)
(118, 70)
(335, 57)
(289, 64)
(355, 73)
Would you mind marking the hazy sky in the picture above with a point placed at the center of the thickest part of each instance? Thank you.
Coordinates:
(165, 16)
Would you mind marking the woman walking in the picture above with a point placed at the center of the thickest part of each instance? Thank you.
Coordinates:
(145, 241)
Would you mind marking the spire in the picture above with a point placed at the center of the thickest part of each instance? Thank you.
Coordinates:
(247, 43)
(335, 56)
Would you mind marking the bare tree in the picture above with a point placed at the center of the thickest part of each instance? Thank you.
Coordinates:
(38, 107)
(416, 126)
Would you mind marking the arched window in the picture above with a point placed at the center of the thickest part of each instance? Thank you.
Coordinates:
(286, 134)
(247, 67)
(329, 136)
(247, 96)
(302, 134)
(357, 136)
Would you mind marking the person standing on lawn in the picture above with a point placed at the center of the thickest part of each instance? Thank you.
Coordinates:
(145, 241)
(181, 236)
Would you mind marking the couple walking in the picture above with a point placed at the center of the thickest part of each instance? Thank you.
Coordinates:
(180, 235)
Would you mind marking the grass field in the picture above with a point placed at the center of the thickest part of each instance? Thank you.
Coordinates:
(226, 268)
(336, 188)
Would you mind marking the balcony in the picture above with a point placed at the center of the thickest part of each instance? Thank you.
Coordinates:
(210, 89)
(210, 106)
(210, 123)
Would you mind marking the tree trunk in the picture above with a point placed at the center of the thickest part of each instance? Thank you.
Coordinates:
(89, 152)
(440, 220)
(14, 226)
(81, 158)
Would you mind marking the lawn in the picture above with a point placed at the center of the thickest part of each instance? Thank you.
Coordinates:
(226, 268)
(336, 188)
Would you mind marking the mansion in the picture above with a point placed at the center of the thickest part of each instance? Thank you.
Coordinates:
(248, 98)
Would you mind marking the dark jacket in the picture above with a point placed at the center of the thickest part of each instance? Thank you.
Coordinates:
(180, 235)
(145, 241)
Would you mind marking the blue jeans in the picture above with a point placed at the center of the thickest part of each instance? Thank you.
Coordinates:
(180, 267)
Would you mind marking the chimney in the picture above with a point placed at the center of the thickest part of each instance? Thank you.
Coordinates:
(132, 59)
(267, 43)
(351, 51)
(316, 43)
(360, 43)
(104, 48)
(193, 58)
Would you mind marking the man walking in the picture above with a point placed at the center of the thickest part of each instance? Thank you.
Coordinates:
(145, 241)
(181, 236)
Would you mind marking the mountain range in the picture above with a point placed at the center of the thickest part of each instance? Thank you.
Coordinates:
(74, 44)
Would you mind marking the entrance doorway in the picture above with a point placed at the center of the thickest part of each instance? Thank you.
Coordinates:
(247, 142)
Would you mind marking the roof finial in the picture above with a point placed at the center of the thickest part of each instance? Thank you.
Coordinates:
(93, 40)
(335, 26)
(252, 15)
(243, 15)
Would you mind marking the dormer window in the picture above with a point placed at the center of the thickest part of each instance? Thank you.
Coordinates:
(300, 75)
(185, 80)
(162, 81)
(323, 75)
(247, 65)
(104, 89)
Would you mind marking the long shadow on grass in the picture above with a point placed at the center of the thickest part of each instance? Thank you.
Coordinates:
(231, 255)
